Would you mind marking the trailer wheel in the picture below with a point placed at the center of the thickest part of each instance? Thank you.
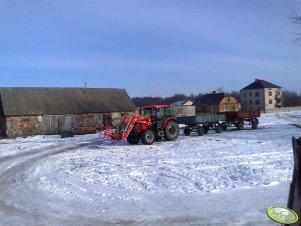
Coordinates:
(187, 131)
(225, 127)
(206, 129)
(240, 125)
(148, 137)
(218, 129)
(201, 131)
(133, 139)
(254, 124)
(171, 131)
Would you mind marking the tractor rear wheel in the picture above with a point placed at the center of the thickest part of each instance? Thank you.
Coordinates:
(133, 139)
(171, 131)
(148, 137)
(201, 131)
(187, 131)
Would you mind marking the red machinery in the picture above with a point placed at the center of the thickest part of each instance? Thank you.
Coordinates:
(156, 123)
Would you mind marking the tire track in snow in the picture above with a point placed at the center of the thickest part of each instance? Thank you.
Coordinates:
(12, 178)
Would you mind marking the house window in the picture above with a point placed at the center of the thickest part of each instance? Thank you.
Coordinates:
(270, 93)
(244, 94)
(250, 94)
(225, 107)
(257, 94)
(270, 101)
(257, 102)
(228, 99)
(233, 108)
(251, 102)
(278, 93)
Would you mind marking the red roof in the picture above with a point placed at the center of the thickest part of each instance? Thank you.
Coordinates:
(157, 106)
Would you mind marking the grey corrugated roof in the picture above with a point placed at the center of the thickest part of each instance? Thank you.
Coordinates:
(210, 99)
(260, 84)
(59, 101)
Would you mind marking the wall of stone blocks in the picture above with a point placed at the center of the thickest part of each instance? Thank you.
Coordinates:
(23, 126)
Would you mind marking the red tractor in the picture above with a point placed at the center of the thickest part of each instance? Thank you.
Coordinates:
(156, 123)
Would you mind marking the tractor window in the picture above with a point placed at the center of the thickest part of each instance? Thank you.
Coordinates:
(150, 112)
(168, 111)
(160, 113)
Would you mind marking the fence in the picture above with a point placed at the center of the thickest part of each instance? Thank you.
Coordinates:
(284, 109)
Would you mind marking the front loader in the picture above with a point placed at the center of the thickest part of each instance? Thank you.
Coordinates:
(156, 123)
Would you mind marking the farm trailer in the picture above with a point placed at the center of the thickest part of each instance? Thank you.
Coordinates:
(201, 123)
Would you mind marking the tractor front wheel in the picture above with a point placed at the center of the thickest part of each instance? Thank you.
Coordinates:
(171, 131)
(148, 137)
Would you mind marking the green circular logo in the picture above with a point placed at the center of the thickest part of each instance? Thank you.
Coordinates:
(282, 215)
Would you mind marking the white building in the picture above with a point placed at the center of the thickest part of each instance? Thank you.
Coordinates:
(261, 95)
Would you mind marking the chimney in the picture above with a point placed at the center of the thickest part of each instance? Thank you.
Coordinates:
(214, 92)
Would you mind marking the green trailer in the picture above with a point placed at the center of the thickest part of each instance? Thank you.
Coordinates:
(201, 123)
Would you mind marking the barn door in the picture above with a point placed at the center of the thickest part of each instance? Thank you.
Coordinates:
(50, 124)
(55, 124)
(65, 123)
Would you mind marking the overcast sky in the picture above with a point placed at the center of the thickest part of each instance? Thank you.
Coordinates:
(154, 47)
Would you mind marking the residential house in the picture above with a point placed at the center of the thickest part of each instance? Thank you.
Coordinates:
(261, 95)
(216, 102)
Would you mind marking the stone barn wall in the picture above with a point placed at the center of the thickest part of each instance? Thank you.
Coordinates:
(20, 126)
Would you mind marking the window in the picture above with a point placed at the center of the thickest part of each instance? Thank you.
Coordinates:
(278, 93)
(168, 111)
(251, 102)
(160, 113)
(270, 93)
(250, 94)
(244, 94)
(225, 107)
(228, 99)
(257, 94)
(270, 101)
(233, 108)
(257, 102)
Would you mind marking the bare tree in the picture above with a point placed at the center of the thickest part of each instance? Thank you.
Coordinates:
(295, 18)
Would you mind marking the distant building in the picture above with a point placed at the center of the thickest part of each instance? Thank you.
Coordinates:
(261, 95)
(216, 102)
(182, 103)
(32, 111)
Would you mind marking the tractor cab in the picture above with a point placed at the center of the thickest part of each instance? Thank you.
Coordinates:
(158, 114)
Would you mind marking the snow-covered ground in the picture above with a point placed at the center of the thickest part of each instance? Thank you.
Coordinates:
(217, 179)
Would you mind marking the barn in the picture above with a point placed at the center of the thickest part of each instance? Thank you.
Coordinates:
(34, 111)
